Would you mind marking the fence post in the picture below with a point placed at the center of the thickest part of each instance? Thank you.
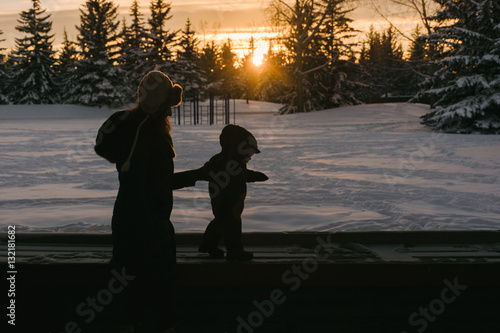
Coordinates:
(211, 108)
(227, 107)
(196, 107)
(193, 108)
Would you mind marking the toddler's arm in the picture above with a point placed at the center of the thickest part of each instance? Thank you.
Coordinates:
(255, 176)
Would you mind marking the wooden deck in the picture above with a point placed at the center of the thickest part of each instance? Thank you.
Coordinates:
(298, 282)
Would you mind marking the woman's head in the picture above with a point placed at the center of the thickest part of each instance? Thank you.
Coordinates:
(156, 96)
(156, 92)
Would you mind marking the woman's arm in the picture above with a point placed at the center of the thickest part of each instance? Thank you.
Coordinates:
(186, 178)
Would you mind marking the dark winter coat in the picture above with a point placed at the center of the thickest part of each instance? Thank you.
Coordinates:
(228, 174)
(143, 236)
(227, 185)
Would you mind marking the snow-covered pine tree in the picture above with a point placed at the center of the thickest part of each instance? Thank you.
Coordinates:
(188, 70)
(65, 67)
(161, 41)
(210, 65)
(228, 68)
(4, 79)
(99, 80)
(32, 73)
(338, 73)
(126, 62)
(273, 79)
(466, 88)
(418, 61)
(248, 74)
(314, 37)
(301, 21)
(384, 64)
(133, 57)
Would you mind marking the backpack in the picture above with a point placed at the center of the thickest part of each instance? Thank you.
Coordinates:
(112, 135)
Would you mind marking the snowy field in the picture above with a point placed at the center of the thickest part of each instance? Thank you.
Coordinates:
(368, 167)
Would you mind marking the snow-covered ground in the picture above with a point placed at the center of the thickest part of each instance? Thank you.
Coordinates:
(367, 167)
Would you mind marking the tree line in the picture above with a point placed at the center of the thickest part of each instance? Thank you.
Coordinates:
(452, 63)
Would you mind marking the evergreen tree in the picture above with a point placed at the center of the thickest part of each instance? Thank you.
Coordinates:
(384, 64)
(422, 55)
(418, 59)
(99, 81)
(273, 79)
(65, 68)
(161, 41)
(313, 42)
(228, 68)
(33, 75)
(466, 88)
(210, 65)
(188, 69)
(336, 77)
(126, 61)
(303, 20)
(248, 74)
(133, 55)
(4, 79)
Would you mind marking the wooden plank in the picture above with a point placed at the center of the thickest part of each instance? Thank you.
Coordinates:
(301, 239)
(329, 253)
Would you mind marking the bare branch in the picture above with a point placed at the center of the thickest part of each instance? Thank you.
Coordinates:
(318, 68)
(377, 9)
(315, 31)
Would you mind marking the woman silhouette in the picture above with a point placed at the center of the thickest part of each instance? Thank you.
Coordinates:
(139, 142)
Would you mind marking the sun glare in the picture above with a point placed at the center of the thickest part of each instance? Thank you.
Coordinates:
(258, 56)
(241, 43)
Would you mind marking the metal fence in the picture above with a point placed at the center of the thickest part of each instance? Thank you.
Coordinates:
(215, 110)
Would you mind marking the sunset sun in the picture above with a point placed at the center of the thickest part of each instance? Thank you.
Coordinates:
(258, 56)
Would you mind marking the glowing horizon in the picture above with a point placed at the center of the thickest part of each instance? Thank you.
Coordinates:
(236, 20)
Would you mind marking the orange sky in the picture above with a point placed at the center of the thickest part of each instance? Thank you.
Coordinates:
(230, 17)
